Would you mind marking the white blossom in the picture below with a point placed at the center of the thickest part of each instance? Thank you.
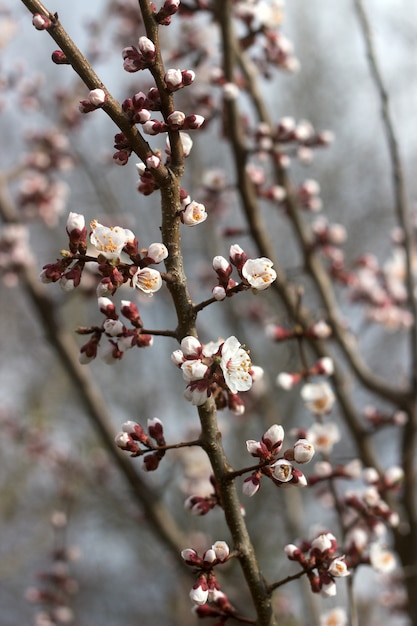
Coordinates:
(318, 397)
(236, 364)
(109, 241)
(194, 213)
(381, 559)
(259, 273)
(282, 470)
(323, 436)
(147, 280)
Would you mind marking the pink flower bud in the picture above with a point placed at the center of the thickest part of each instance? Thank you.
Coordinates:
(97, 97)
(273, 438)
(292, 551)
(219, 293)
(173, 79)
(176, 119)
(237, 256)
(188, 77)
(41, 22)
(106, 306)
(153, 162)
(193, 122)
(147, 48)
(59, 58)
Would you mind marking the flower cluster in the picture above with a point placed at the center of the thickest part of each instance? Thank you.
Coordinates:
(110, 244)
(321, 563)
(119, 262)
(119, 337)
(221, 369)
(278, 467)
(96, 99)
(207, 588)
(133, 439)
(255, 274)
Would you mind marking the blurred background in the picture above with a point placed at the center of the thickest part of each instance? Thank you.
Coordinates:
(51, 458)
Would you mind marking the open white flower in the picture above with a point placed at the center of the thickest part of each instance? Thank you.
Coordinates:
(194, 213)
(259, 273)
(323, 436)
(381, 559)
(335, 617)
(109, 241)
(147, 280)
(236, 366)
(318, 397)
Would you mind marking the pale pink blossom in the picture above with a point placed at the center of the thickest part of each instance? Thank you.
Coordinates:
(97, 97)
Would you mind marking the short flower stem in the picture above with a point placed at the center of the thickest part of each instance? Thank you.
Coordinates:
(245, 470)
(176, 446)
(286, 580)
(206, 303)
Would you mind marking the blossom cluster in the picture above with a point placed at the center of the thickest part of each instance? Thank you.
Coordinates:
(206, 589)
(118, 262)
(220, 369)
(120, 338)
(257, 274)
(134, 439)
(278, 467)
(321, 563)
